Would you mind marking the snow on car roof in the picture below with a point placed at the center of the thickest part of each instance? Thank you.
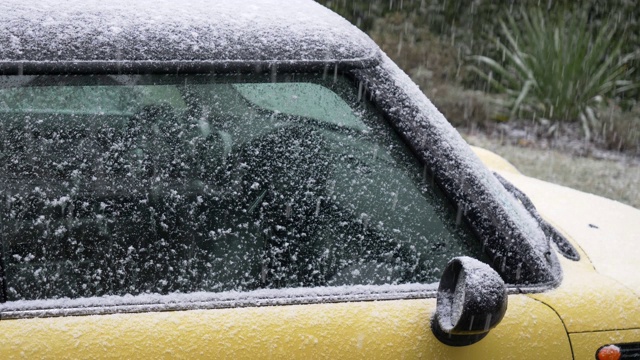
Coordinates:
(166, 30)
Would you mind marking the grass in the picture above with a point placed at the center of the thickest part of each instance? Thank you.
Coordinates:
(617, 180)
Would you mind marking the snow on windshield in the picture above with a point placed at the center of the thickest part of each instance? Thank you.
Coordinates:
(181, 184)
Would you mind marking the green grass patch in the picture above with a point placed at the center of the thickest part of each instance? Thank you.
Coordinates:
(614, 179)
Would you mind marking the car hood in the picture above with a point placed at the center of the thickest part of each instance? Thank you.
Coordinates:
(607, 231)
(601, 291)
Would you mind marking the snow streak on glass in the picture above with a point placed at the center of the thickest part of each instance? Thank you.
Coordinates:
(116, 185)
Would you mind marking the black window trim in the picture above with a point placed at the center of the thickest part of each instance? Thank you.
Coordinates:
(491, 223)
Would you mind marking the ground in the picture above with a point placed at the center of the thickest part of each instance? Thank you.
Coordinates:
(605, 173)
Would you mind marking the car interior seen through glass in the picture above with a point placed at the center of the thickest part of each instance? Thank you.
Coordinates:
(132, 184)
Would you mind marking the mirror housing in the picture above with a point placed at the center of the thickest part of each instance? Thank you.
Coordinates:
(472, 299)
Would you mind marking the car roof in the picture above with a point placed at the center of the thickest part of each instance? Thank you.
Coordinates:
(222, 31)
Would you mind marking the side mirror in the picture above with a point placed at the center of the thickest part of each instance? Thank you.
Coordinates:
(472, 299)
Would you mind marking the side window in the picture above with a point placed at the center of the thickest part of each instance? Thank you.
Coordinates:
(165, 184)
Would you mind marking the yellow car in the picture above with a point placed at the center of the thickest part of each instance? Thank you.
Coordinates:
(244, 180)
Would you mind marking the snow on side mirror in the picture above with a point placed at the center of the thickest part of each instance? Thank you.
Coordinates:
(472, 299)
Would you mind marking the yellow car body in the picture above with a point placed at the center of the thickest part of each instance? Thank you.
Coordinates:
(589, 309)
(592, 302)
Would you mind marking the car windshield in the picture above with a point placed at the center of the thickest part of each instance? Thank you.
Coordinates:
(132, 184)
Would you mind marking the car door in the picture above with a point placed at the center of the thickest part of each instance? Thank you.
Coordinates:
(229, 216)
(383, 329)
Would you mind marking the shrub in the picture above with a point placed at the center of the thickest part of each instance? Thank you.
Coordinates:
(556, 69)
(620, 129)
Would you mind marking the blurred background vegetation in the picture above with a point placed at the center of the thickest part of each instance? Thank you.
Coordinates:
(537, 75)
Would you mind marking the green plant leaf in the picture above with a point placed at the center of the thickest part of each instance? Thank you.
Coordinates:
(556, 66)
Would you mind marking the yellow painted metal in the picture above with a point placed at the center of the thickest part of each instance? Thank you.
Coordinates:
(607, 231)
(371, 330)
(601, 291)
(494, 161)
(589, 301)
(585, 345)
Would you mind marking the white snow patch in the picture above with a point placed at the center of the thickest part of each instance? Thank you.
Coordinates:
(188, 30)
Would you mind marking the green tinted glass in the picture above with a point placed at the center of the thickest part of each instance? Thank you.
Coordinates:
(117, 185)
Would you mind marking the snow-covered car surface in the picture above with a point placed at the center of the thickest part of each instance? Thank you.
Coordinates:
(223, 179)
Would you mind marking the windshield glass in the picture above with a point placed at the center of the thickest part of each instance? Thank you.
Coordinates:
(131, 184)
